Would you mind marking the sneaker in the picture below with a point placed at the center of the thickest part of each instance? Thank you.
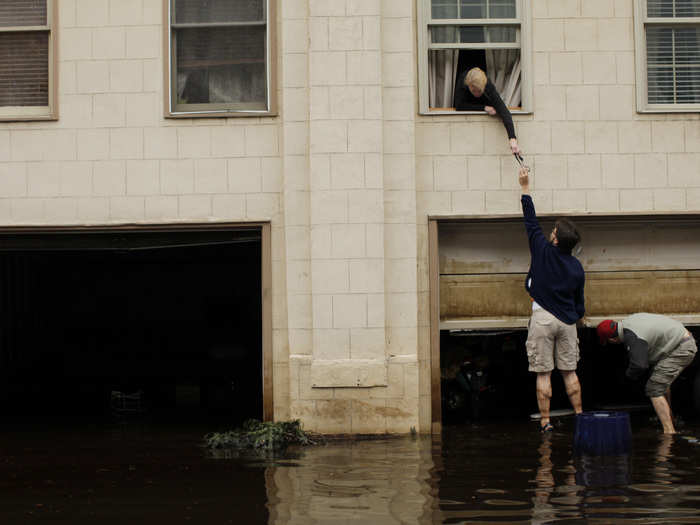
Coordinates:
(547, 428)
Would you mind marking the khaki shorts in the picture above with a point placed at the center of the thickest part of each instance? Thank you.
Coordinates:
(550, 340)
(669, 367)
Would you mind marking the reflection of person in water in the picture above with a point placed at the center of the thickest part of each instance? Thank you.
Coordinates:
(660, 471)
(548, 495)
(542, 510)
(475, 92)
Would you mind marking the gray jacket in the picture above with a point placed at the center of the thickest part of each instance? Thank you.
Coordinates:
(648, 338)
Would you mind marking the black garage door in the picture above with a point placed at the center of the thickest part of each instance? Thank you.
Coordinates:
(157, 324)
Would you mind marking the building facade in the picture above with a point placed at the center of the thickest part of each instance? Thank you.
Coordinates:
(331, 122)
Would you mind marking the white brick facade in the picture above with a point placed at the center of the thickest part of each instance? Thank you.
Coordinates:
(347, 173)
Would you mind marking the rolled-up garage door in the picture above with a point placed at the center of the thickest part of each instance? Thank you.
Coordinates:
(632, 264)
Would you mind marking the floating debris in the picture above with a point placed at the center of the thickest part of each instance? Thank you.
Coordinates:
(254, 434)
(505, 502)
(554, 413)
(491, 491)
(566, 500)
(608, 499)
(652, 487)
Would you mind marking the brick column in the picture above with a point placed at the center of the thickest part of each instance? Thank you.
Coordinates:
(400, 217)
(292, 342)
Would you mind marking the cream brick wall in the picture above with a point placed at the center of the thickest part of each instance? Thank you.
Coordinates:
(347, 173)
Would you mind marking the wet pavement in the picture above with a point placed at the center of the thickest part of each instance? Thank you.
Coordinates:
(488, 473)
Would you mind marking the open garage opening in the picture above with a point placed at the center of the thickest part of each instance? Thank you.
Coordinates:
(480, 310)
(165, 325)
(484, 378)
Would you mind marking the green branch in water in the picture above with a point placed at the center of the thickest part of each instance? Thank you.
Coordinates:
(254, 434)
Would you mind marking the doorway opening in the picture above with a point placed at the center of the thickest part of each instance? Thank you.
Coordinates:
(161, 323)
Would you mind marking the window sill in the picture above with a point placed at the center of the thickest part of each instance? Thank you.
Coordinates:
(450, 111)
(28, 118)
(220, 114)
(27, 113)
(666, 109)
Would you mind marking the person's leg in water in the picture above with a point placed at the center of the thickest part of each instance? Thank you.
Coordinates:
(664, 373)
(663, 410)
(544, 395)
(573, 389)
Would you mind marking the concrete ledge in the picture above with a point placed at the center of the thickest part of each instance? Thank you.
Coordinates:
(403, 359)
(301, 359)
(358, 373)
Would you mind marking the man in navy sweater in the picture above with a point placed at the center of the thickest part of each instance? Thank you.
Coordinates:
(555, 283)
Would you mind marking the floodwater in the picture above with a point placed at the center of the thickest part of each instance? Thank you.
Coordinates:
(488, 473)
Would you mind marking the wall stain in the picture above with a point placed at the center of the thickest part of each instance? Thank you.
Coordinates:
(504, 295)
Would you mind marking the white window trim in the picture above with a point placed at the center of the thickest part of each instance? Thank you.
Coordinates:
(169, 72)
(640, 51)
(524, 20)
(50, 112)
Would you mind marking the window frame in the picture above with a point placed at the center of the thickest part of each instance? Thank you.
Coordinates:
(523, 21)
(49, 112)
(170, 71)
(641, 21)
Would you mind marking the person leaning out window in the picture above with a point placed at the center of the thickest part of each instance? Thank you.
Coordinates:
(475, 92)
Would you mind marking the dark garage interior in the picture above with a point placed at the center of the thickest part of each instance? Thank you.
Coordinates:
(159, 324)
(484, 377)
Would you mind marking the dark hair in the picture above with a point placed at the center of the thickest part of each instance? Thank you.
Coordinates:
(567, 235)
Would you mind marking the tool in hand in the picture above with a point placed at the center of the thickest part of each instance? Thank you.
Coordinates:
(521, 161)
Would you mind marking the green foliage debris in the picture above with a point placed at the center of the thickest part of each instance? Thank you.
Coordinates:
(254, 434)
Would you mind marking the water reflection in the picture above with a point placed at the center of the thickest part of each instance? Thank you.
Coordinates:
(603, 471)
(552, 501)
(487, 474)
(542, 510)
(495, 473)
(378, 481)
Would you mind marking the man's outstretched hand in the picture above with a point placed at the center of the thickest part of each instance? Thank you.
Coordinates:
(524, 179)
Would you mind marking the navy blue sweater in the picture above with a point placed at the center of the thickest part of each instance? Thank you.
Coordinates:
(555, 279)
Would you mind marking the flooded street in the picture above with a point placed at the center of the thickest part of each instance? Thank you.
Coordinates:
(490, 473)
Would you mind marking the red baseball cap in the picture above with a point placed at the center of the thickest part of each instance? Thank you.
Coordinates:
(606, 330)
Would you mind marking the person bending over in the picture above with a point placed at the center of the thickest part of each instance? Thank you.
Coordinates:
(555, 283)
(653, 342)
(475, 92)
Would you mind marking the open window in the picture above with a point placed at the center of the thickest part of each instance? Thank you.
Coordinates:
(456, 35)
(667, 40)
(27, 60)
(220, 58)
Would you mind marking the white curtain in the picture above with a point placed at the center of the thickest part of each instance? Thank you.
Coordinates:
(442, 65)
(503, 69)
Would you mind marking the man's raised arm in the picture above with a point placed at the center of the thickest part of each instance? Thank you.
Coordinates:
(534, 233)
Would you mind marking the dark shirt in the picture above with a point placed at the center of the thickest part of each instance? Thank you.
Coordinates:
(555, 279)
(638, 352)
(465, 101)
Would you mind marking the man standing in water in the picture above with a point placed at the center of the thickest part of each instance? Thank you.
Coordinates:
(657, 342)
(555, 282)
